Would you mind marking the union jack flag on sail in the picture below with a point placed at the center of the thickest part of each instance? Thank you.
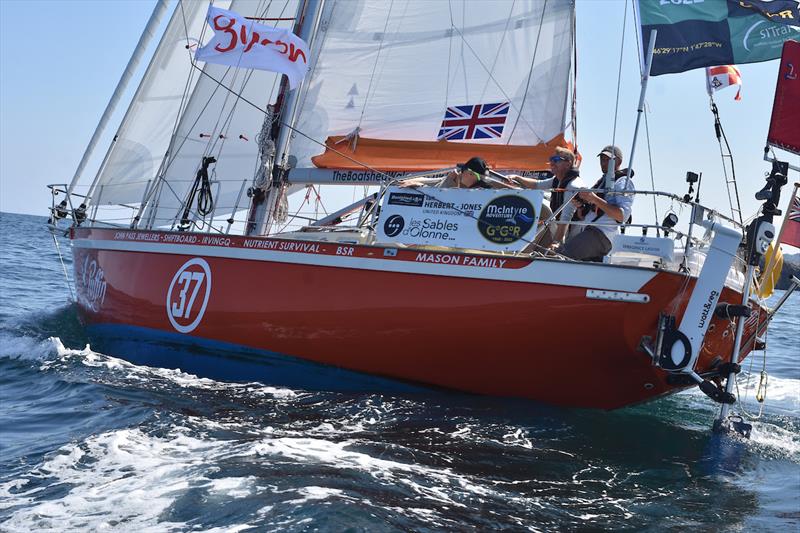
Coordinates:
(480, 121)
(791, 229)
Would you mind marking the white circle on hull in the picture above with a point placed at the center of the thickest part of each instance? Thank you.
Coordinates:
(186, 283)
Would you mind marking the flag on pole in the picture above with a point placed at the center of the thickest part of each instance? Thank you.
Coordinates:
(694, 34)
(724, 76)
(790, 234)
(242, 43)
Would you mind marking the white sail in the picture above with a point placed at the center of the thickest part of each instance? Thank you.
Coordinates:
(393, 68)
(222, 119)
(145, 132)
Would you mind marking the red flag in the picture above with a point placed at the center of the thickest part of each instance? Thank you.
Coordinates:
(791, 229)
(724, 76)
(784, 128)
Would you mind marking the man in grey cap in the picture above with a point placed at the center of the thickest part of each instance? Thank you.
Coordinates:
(605, 210)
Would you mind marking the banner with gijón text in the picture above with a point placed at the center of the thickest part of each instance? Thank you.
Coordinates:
(704, 33)
(499, 220)
(242, 43)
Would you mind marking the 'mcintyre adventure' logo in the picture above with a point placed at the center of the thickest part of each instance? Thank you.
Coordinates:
(393, 225)
(188, 294)
(506, 219)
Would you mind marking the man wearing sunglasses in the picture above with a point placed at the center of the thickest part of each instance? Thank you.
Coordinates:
(470, 175)
(565, 184)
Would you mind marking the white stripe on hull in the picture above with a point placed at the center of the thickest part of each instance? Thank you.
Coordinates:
(551, 272)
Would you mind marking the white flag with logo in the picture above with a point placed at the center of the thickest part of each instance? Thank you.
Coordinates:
(239, 42)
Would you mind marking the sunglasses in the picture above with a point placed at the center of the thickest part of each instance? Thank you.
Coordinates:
(557, 159)
(477, 175)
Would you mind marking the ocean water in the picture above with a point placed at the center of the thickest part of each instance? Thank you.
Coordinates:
(91, 442)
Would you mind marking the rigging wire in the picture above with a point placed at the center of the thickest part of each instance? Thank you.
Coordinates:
(574, 113)
(720, 133)
(499, 50)
(527, 81)
(375, 65)
(63, 266)
(646, 124)
(619, 76)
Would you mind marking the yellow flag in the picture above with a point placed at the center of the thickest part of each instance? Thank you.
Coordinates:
(767, 281)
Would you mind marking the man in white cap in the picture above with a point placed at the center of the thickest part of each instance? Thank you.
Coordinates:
(609, 210)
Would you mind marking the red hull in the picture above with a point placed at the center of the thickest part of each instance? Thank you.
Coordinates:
(457, 321)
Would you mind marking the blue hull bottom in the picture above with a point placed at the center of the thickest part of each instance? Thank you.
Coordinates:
(229, 362)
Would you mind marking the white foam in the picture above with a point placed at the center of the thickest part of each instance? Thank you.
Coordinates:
(785, 392)
(338, 455)
(119, 477)
(27, 348)
(775, 439)
(148, 374)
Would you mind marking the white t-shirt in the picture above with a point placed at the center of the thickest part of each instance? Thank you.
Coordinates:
(619, 196)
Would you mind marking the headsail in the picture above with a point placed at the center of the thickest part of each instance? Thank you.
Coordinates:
(145, 132)
(390, 71)
(223, 119)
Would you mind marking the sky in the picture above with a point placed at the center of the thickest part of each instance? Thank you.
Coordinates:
(60, 62)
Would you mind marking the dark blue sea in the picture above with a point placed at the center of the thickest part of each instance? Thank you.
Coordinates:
(91, 442)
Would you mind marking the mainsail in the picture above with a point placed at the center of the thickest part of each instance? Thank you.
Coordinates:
(389, 71)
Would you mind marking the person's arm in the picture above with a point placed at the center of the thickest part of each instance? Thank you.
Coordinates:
(615, 212)
(497, 183)
(566, 214)
(532, 183)
(422, 182)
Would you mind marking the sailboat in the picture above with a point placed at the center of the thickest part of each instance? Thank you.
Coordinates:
(204, 225)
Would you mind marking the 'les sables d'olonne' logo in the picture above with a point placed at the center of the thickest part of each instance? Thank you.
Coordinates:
(185, 305)
(394, 225)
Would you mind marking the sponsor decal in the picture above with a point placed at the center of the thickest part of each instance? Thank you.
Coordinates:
(431, 229)
(394, 225)
(712, 298)
(93, 285)
(364, 176)
(188, 295)
(465, 260)
(506, 219)
(406, 198)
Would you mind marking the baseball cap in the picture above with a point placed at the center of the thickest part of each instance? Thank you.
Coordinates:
(476, 164)
(611, 151)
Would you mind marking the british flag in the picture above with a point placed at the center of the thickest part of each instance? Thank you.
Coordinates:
(480, 121)
(791, 228)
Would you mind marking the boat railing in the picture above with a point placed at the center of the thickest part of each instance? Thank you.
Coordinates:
(224, 219)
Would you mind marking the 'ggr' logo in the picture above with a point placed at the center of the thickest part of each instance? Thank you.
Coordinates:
(184, 309)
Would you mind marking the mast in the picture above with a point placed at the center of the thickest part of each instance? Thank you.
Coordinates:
(264, 199)
(144, 41)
